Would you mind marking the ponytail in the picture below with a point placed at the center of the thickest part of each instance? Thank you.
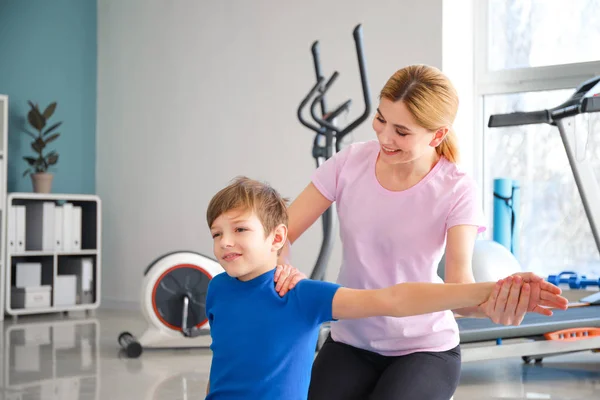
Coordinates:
(449, 147)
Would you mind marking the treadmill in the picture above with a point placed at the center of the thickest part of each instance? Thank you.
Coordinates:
(532, 340)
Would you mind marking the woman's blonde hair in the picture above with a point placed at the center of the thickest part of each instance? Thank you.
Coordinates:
(432, 100)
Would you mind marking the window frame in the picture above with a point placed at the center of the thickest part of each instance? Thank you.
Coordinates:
(487, 82)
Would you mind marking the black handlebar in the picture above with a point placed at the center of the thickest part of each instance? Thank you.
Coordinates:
(331, 134)
(315, 89)
(519, 118)
(585, 99)
(325, 120)
(318, 72)
(320, 97)
(358, 39)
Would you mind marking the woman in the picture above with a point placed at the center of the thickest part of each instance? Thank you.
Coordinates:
(402, 202)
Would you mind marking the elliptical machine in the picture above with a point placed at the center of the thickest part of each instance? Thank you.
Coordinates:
(328, 141)
(173, 294)
(328, 137)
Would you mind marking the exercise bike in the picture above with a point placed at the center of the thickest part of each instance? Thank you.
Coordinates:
(173, 295)
(173, 299)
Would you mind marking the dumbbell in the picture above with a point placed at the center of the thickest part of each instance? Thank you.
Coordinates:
(573, 280)
(562, 278)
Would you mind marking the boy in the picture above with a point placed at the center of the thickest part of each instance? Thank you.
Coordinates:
(264, 344)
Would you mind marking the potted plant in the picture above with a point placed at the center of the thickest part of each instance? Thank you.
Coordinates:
(39, 165)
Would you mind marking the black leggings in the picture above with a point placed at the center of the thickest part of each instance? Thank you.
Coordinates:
(341, 371)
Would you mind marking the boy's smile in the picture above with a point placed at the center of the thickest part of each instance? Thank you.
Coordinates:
(231, 256)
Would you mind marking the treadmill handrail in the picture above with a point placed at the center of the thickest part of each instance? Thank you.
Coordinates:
(578, 103)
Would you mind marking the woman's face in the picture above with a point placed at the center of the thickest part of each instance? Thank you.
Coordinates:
(401, 139)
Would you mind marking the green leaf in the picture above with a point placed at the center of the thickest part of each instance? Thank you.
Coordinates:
(30, 160)
(27, 172)
(38, 145)
(53, 127)
(49, 110)
(35, 119)
(33, 106)
(52, 158)
(52, 137)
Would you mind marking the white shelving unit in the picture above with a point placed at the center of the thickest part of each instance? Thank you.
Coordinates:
(68, 369)
(55, 264)
(3, 186)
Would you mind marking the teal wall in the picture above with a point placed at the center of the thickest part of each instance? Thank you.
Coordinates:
(48, 53)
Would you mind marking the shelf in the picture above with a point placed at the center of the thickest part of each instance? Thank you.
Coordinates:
(53, 196)
(34, 253)
(52, 309)
(72, 224)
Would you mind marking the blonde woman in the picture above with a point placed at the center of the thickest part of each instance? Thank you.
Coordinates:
(402, 202)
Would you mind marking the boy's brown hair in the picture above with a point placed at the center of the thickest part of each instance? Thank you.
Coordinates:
(250, 195)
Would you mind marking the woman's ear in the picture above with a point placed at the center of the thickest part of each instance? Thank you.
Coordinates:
(438, 137)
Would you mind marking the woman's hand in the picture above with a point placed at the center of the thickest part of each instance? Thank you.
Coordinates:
(286, 278)
(520, 293)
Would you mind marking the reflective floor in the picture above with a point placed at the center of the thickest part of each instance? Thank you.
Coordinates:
(77, 358)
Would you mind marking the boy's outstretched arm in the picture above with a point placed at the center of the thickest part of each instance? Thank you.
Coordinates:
(407, 299)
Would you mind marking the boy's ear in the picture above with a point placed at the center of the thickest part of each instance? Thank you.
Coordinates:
(279, 237)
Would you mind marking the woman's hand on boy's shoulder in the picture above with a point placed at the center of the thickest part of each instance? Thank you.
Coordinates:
(286, 278)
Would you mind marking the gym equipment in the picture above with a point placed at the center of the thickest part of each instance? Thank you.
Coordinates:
(592, 299)
(328, 141)
(328, 137)
(506, 214)
(173, 303)
(539, 336)
(491, 262)
(573, 279)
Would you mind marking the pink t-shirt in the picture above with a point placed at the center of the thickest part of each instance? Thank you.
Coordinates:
(392, 237)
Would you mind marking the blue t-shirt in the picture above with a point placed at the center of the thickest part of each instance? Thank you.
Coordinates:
(263, 344)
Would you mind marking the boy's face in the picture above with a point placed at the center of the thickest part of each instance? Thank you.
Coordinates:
(240, 244)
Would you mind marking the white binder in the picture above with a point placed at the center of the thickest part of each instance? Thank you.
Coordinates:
(20, 229)
(58, 228)
(11, 228)
(67, 228)
(87, 275)
(76, 219)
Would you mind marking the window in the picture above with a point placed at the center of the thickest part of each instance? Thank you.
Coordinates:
(554, 231)
(539, 33)
(530, 55)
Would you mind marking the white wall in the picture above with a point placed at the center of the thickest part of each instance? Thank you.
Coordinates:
(193, 93)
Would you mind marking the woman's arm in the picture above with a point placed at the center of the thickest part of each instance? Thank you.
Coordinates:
(302, 213)
(305, 210)
(407, 299)
(458, 269)
(509, 303)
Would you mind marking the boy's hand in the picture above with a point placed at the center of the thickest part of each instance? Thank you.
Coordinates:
(286, 278)
(520, 293)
